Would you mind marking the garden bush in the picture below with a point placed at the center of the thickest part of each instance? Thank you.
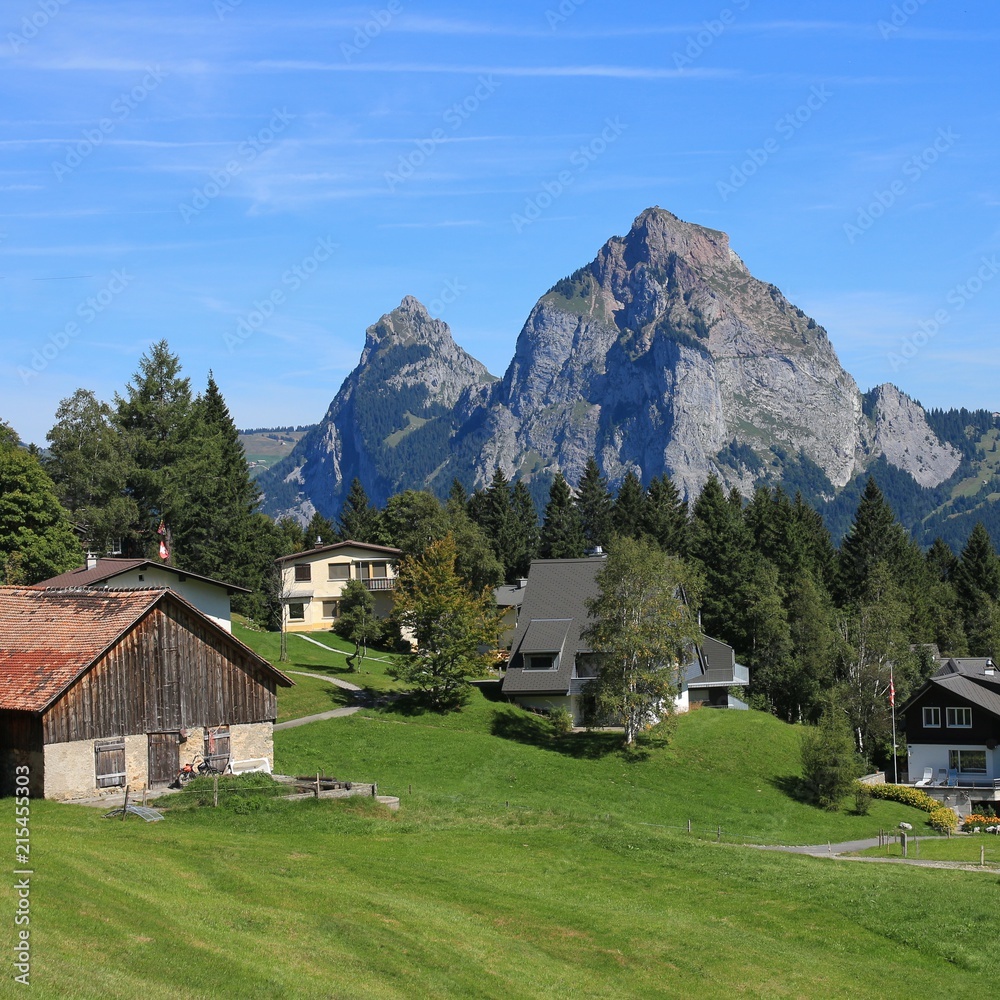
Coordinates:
(944, 820)
(904, 794)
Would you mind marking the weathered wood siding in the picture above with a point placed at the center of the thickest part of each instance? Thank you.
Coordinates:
(168, 673)
(20, 730)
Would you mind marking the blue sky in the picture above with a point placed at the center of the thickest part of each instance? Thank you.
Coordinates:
(258, 182)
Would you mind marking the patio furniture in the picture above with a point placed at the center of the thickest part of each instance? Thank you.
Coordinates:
(927, 778)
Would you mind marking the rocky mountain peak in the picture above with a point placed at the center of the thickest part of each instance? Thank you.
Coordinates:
(407, 325)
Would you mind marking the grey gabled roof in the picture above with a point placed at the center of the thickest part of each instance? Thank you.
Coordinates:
(715, 666)
(969, 666)
(986, 696)
(554, 610)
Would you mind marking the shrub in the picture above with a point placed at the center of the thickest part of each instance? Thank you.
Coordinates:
(560, 722)
(915, 797)
(944, 820)
(830, 764)
(862, 799)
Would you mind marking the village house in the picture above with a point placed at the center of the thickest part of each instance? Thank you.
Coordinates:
(551, 664)
(105, 688)
(953, 733)
(313, 581)
(210, 597)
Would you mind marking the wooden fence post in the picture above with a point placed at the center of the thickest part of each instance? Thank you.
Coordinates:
(215, 791)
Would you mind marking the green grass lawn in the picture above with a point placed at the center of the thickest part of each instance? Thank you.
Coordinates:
(310, 696)
(517, 866)
(335, 899)
(964, 848)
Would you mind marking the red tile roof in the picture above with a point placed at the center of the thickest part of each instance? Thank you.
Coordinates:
(48, 638)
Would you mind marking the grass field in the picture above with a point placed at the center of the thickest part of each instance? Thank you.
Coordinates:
(963, 848)
(517, 866)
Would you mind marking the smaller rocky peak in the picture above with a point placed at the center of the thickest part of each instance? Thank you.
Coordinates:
(409, 324)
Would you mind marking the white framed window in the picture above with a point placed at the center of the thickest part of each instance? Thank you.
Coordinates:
(967, 761)
(932, 718)
(958, 718)
(297, 611)
(540, 661)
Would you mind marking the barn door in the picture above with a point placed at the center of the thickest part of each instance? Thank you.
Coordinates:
(217, 746)
(164, 757)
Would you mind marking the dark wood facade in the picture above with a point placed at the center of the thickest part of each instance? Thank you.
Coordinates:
(985, 725)
(173, 670)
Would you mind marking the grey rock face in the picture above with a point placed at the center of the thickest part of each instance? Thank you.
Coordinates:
(655, 357)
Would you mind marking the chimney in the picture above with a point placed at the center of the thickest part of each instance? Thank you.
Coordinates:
(522, 582)
(989, 668)
(91, 561)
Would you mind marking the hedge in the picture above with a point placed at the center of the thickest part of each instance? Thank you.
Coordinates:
(906, 795)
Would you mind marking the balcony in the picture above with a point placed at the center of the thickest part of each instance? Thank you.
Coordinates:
(380, 583)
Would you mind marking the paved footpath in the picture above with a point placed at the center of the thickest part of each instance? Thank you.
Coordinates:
(336, 713)
(844, 851)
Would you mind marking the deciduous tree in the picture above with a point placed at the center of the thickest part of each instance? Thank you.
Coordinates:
(456, 630)
(642, 631)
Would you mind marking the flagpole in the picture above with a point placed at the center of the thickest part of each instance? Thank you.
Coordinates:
(892, 704)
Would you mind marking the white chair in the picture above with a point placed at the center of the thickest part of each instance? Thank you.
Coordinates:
(927, 778)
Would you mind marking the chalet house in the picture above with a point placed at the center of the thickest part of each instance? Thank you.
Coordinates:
(210, 597)
(103, 688)
(551, 664)
(313, 581)
(953, 732)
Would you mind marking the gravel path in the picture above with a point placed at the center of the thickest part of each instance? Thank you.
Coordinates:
(335, 713)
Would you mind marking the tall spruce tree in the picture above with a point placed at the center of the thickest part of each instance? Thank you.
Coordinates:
(525, 533)
(360, 521)
(720, 544)
(875, 536)
(90, 466)
(593, 502)
(976, 581)
(319, 531)
(665, 516)
(628, 512)
(562, 533)
(155, 415)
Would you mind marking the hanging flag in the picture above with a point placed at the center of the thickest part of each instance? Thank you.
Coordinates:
(162, 529)
(164, 554)
(892, 692)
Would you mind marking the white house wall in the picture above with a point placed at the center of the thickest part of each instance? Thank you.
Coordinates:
(211, 599)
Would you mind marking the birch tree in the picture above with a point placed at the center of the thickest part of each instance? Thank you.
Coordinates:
(642, 631)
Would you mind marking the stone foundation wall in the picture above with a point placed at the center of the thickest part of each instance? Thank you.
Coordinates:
(255, 739)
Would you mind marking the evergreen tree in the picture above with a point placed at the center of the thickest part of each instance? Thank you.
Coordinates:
(820, 555)
(290, 535)
(976, 581)
(720, 544)
(525, 530)
(562, 533)
(320, 531)
(830, 765)
(768, 649)
(628, 512)
(941, 561)
(90, 466)
(665, 516)
(475, 561)
(36, 538)
(593, 503)
(155, 417)
(495, 515)
(458, 493)
(875, 536)
(360, 521)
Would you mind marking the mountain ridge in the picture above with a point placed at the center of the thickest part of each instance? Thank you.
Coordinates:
(662, 355)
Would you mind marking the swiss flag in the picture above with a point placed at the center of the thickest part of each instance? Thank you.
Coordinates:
(892, 688)
(164, 554)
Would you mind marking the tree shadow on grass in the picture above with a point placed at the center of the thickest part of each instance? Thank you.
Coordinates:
(793, 786)
(416, 703)
(534, 730)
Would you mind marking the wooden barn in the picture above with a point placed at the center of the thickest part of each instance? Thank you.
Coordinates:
(103, 688)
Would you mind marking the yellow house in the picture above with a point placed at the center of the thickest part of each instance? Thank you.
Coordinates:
(313, 581)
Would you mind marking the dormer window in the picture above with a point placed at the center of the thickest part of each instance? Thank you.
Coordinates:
(540, 661)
